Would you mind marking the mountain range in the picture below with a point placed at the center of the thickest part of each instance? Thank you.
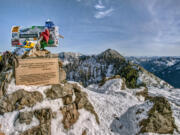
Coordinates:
(166, 68)
(89, 69)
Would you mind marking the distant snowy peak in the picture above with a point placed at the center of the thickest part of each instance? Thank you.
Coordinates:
(111, 53)
(67, 57)
(175, 66)
(166, 68)
(171, 75)
(154, 64)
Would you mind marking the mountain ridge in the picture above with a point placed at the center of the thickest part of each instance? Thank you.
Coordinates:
(94, 68)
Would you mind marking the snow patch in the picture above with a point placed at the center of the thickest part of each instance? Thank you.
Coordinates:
(12, 87)
(113, 85)
(7, 123)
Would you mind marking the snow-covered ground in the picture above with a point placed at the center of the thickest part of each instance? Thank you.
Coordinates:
(124, 104)
(116, 108)
(152, 80)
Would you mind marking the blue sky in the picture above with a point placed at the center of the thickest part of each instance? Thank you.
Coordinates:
(132, 27)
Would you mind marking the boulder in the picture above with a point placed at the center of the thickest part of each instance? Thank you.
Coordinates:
(160, 119)
(59, 91)
(44, 116)
(70, 115)
(62, 75)
(25, 117)
(18, 100)
(5, 78)
(9, 61)
(67, 100)
(82, 101)
(76, 88)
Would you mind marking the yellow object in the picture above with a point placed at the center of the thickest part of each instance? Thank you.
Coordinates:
(15, 29)
(0, 58)
(29, 44)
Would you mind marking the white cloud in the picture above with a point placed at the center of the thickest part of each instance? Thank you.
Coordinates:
(102, 14)
(164, 21)
(99, 6)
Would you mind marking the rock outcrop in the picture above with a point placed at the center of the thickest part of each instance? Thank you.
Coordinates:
(44, 128)
(25, 117)
(70, 115)
(18, 100)
(82, 101)
(7, 64)
(59, 91)
(70, 109)
(160, 119)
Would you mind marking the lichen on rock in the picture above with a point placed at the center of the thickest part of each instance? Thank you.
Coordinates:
(160, 119)
(59, 91)
(70, 108)
(70, 115)
(82, 101)
(18, 100)
(25, 117)
(67, 100)
(44, 128)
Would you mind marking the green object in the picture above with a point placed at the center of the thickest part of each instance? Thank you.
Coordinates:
(0, 58)
(40, 27)
(33, 27)
(50, 42)
(43, 44)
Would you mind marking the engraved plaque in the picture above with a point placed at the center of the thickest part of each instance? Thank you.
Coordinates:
(37, 71)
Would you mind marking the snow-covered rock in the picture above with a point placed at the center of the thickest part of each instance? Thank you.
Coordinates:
(119, 111)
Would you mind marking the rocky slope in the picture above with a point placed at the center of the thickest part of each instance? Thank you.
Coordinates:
(171, 75)
(107, 107)
(93, 69)
(161, 67)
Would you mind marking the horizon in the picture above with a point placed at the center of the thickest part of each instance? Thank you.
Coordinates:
(134, 28)
(119, 53)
